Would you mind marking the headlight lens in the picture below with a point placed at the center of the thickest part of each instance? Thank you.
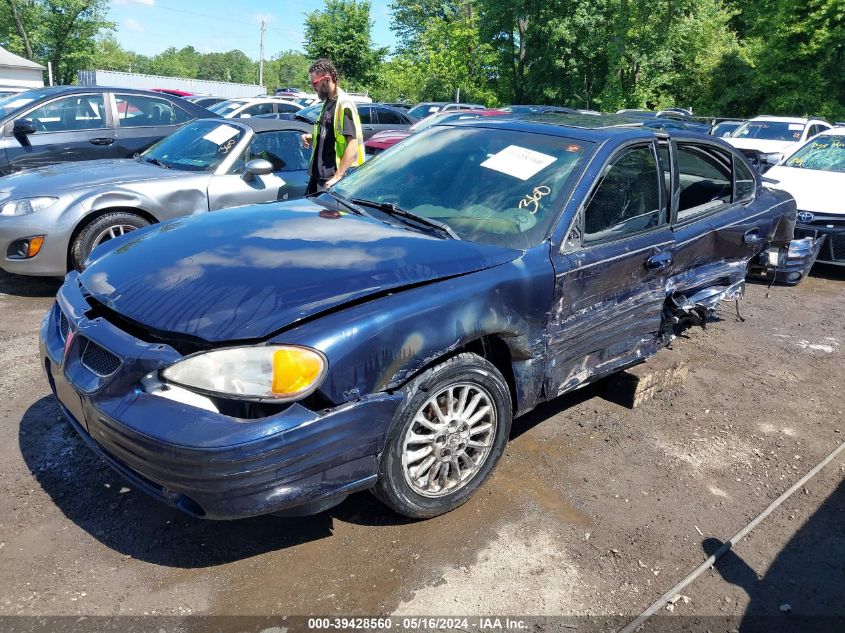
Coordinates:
(772, 158)
(25, 206)
(273, 372)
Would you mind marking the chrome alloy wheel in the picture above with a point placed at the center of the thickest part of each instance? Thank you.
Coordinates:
(449, 440)
(111, 233)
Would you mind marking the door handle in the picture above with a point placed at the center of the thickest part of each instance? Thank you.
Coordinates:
(751, 237)
(101, 141)
(368, 129)
(659, 262)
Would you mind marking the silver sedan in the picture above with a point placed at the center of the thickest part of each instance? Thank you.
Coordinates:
(52, 218)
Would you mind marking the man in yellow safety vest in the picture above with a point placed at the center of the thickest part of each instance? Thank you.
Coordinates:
(337, 141)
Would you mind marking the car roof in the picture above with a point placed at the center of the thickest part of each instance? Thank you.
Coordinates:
(583, 127)
(260, 125)
(261, 99)
(196, 111)
(783, 119)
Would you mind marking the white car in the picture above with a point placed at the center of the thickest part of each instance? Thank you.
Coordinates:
(253, 106)
(765, 140)
(815, 176)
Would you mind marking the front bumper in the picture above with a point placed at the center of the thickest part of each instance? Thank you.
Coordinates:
(204, 463)
(833, 251)
(51, 260)
(790, 265)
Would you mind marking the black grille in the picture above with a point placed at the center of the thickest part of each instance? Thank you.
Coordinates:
(64, 325)
(837, 242)
(99, 360)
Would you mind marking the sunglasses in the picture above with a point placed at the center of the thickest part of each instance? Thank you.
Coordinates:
(315, 82)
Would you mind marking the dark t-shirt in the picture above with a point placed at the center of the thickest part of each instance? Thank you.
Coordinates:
(326, 162)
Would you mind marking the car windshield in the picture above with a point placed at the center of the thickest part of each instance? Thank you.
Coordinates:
(488, 185)
(311, 113)
(823, 153)
(770, 130)
(199, 146)
(724, 129)
(18, 100)
(226, 107)
(424, 109)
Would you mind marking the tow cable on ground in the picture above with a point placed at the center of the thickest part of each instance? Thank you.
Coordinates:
(726, 547)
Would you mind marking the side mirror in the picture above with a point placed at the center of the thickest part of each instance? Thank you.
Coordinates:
(257, 167)
(23, 127)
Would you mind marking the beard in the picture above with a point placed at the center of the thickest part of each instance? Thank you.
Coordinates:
(323, 92)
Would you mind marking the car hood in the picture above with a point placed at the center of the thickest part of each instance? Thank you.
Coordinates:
(245, 273)
(814, 190)
(87, 174)
(766, 147)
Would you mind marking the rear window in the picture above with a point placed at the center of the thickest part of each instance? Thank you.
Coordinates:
(770, 131)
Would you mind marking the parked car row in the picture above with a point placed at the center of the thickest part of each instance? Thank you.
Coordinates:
(279, 353)
(59, 124)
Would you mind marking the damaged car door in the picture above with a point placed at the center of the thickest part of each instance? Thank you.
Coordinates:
(718, 228)
(611, 272)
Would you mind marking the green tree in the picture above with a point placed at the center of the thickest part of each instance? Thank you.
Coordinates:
(341, 32)
(62, 32)
(109, 55)
(410, 18)
(288, 68)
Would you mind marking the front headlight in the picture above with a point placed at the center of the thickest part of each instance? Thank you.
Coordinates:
(278, 373)
(772, 158)
(25, 206)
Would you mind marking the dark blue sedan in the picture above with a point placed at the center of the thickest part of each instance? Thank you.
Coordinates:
(383, 335)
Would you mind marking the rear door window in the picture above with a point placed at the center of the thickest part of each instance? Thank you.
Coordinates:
(744, 183)
(365, 113)
(287, 108)
(145, 111)
(704, 176)
(258, 108)
(389, 117)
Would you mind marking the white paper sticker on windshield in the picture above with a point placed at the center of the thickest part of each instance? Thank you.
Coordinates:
(433, 108)
(221, 134)
(796, 126)
(519, 162)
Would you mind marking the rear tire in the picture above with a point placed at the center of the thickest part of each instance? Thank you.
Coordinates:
(101, 230)
(445, 438)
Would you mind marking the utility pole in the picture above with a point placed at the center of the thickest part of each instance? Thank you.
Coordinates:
(261, 58)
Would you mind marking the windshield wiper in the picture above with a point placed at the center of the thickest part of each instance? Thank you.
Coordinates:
(156, 161)
(345, 202)
(392, 209)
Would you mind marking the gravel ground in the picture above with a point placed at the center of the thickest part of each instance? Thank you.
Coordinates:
(595, 509)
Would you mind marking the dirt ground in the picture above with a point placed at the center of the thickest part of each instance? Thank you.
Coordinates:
(595, 509)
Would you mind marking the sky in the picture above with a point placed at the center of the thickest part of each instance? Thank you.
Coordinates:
(150, 26)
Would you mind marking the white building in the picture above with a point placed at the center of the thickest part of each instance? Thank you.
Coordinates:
(18, 73)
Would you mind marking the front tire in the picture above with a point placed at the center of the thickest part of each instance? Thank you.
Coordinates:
(446, 437)
(102, 229)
